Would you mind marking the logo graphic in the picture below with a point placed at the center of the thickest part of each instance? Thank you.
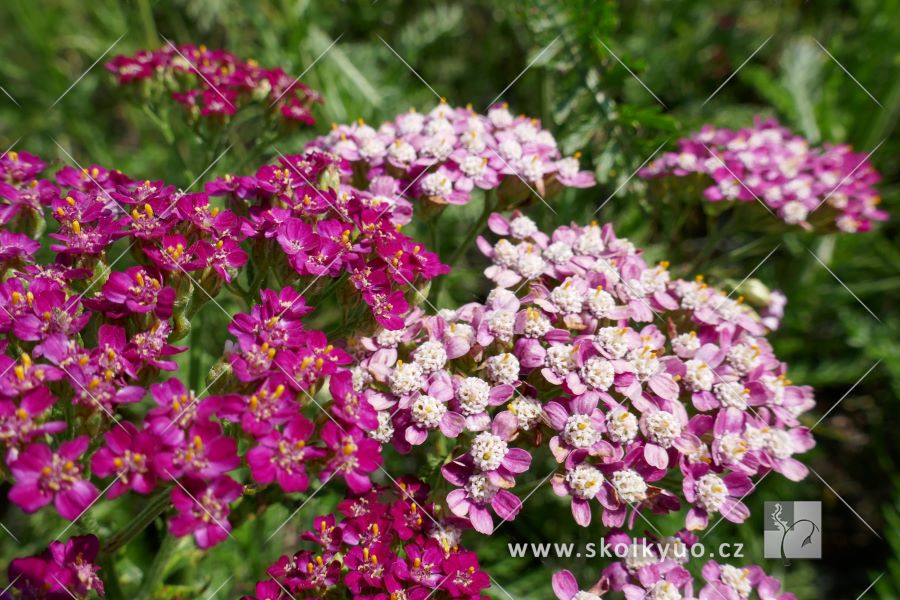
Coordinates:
(792, 530)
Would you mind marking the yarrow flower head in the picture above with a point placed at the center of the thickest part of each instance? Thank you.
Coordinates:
(443, 155)
(633, 376)
(386, 543)
(215, 83)
(768, 163)
(81, 334)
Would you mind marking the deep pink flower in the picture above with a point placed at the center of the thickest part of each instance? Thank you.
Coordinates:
(203, 509)
(281, 456)
(43, 476)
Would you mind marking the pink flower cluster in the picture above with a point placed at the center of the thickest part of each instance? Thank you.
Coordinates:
(93, 339)
(655, 568)
(65, 570)
(444, 155)
(768, 163)
(387, 545)
(337, 230)
(216, 83)
(632, 376)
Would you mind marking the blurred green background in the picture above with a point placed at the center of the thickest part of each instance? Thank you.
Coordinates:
(469, 52)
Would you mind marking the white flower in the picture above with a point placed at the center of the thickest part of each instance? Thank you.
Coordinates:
(639, 555)
(439, 126)
(621, 425)
(733, 446)
(779, 443)
(536, 323)
(590, 242)
(711, 492)
(600, 302)
(645, 363)
(612, 340)
(585, 481)
(528, 411)
(567, 297)
(532, 167)
(488, 451)
(662, 427)
(737, 579)
(522, 227)
(501, 323)
(598, 373)
(530, 265)
(473, 141)
(431, 356)
(410, 123)
(371, 148)
(505, 253)
(500, 117)
(473, 166)
(567, 167)
(473, 395)
(743, 357)
(698, 375)
(561, 358)
(559, 253)
(731, 394)
(481, 489)
(503, 368)
(579, 432)
(663, 590)
(686, 344)
(437, 185)
(630, 486)
(406, 378)
(402, 152)
(510, 150)
(360, 377)
(440, 146)
(428, 411)
(687, 161)
(385, 430)
(526, 131)
(794, 212)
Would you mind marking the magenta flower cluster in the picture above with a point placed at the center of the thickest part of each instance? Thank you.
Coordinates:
(65, 570)
(300, 229)
(216, 83)
(655, 568)
(630, 375)
(769, 164)
(386, 545)
(96, 339)
(444, 155)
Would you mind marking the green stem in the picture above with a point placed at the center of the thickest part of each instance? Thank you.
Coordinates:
(155, 506)
(110, 577)
(157, 571)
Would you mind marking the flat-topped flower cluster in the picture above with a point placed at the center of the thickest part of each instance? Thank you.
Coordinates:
(216, 83)
(65, 570)
(384, 544)
(444, 155)
(83, 340)
(770, 164)
(631, 375)
(303, 221)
